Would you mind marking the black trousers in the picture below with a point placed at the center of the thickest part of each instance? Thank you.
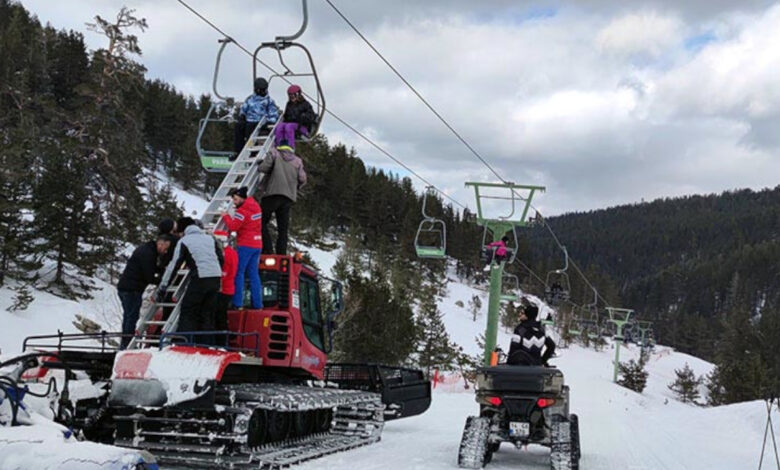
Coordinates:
(224, 302)
(241, 133)
(198, 307)
(279, 205)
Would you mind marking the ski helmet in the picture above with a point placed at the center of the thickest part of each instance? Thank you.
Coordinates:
(261, 86)
(293, 90)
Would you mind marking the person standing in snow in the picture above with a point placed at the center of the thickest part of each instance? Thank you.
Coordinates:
(497, 251)
(203, 258)
(298, 117)
(140, 271)
(529, 339)
(284, 176)
(256, 107)
(247, 223)
(228, 287)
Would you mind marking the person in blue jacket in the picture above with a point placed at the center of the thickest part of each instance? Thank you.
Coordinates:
(256, 107)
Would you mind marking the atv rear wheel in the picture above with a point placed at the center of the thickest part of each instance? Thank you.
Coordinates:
(473, 452)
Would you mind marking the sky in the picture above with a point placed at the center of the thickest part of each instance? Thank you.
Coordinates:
(603, 102)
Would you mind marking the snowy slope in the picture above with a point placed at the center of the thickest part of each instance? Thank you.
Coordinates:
(621, 430)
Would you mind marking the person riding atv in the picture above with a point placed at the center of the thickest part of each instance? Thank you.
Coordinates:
(522, 401)
(528, 340)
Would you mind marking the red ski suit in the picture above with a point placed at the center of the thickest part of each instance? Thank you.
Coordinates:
(248, 223)
(229, 270)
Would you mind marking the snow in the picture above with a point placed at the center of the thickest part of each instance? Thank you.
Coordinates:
(49, 313)
(620, 429)
(45, 447)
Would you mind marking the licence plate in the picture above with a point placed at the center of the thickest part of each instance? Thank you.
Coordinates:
(517, 429)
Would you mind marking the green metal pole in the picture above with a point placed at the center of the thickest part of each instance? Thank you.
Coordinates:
(619, 340)
(494, 304)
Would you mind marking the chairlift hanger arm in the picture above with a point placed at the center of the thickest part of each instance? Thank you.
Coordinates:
(223, 44)
(302, 28)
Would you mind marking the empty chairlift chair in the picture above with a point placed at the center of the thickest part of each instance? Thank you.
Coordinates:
(431, 238)
(510, 284)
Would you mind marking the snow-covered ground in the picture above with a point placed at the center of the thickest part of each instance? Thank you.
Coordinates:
(620, 429)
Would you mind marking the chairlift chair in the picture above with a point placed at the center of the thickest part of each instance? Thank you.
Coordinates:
(558, 286)
(430, 230)
(575, 328)
(221, 111)
(510, 285)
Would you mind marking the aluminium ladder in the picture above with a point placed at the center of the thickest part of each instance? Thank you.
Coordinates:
(244, 172)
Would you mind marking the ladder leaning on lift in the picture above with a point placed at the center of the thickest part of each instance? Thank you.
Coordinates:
(243, 171)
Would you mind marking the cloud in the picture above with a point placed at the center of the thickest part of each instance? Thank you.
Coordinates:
(644, 32)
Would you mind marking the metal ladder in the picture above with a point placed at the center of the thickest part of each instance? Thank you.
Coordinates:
(244, 172)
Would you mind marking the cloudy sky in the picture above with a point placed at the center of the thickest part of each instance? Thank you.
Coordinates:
(603, 102)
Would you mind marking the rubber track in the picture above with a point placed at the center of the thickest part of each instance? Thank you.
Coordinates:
(474, 442)
(357, 421)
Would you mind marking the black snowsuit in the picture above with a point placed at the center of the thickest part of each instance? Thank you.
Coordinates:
(300, 112)
(527, 343)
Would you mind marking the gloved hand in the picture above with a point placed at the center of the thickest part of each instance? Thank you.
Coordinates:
(159, 296)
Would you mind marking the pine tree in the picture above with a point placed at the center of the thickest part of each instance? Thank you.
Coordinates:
(434, 347)
(686, 385)
(716, 393)
(375, 326)
(632, 375)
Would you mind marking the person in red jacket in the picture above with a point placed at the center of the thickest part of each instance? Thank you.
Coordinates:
(248, 225)
(229, 269)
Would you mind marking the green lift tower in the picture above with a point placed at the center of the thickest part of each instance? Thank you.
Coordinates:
(495, 228)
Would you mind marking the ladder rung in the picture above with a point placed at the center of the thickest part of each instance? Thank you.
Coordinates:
(156, 322)
(166, 304)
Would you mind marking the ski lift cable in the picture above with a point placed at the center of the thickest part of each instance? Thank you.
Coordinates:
(328, 111)
(457, 135)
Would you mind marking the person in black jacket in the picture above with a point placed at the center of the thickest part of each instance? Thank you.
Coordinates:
(298, 116)
(141, 270)
(529, 339)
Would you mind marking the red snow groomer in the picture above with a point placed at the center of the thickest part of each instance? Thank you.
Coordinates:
(266, 399)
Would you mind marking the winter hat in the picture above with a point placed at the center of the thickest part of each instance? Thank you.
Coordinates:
(185, 222)
(293, 89)
(531, 312)
(240, 192)
(221, 235)
(165, 226)
(505, 239)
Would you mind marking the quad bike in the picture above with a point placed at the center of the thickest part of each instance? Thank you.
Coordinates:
(521, 405)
